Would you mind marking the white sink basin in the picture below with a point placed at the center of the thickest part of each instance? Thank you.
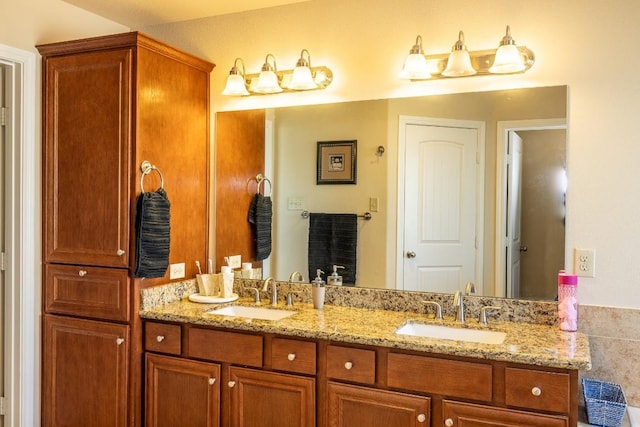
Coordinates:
(261, 313)
(450, 333)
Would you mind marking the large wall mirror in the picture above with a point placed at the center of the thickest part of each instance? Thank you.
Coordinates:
(460, 187)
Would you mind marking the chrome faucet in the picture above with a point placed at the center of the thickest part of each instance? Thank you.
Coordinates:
(274, 289)
(458, 301)
(436, 306)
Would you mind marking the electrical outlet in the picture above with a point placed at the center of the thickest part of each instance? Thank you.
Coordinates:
(295, 203)
(176, 271)
(585, 262)
(373, 204)
(235, 261)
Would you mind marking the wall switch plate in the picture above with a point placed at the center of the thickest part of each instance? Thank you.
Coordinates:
(585, 262)
(373, 204)
(235, 261)
(176, 271)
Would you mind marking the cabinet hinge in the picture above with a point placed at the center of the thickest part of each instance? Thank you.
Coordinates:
(3, 116)
(2, 409)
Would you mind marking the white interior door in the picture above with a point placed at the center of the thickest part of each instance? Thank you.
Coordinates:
(514, 214)
(440, 207)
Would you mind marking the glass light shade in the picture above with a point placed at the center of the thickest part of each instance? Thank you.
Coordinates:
(459, 64)
(507, 60)
(268, 82)
(415, 67)
(235, 86)
(302, 79)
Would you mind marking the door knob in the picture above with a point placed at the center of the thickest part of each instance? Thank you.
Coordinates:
(523, 249)
(411, 254)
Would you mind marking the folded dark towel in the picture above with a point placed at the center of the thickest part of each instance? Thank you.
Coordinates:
(333, 240)
(260, 217)
(153, 234)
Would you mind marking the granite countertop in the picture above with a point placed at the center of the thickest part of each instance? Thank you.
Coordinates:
(534, 344)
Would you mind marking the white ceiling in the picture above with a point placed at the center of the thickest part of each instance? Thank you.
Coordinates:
(141, 13)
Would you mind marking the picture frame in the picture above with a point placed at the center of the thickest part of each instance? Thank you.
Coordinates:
(337, 162)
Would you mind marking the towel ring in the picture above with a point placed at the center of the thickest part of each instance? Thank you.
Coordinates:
(261, 178)
(146, 167)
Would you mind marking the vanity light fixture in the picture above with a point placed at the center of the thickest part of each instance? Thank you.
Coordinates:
(236, 85)
(509, 58)
(459, 62)
(270, 80)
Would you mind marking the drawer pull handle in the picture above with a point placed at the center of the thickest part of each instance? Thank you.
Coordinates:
(422, 418)
(348, 366)
(448, 422)
(536, 391)
(160, 338)
(120, 252)
(212, 381)
(119, 341)
(231, 384)
(82, 273)
(291, 356)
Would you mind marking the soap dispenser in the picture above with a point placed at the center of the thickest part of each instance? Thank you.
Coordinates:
(334, 279)
(317, 290)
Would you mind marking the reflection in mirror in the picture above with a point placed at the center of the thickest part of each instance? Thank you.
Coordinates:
(444, 189)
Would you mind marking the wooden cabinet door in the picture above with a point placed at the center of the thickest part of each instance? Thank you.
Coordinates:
(268, 399)
(351, 405)
(85, 367)
(181, 392)
(458, 414)
(86, 121)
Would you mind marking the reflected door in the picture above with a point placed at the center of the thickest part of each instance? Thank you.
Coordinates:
(440, 204)
(514, 214)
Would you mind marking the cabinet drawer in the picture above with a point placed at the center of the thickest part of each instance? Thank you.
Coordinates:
(351, 364)
(293, 355)
(527, 388)
(223, 346)
(162, 338)
(100, 293)
(440, 376)
(468, 414)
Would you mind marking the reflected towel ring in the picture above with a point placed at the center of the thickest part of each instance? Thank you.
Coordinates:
(261, 178)
(146, 167)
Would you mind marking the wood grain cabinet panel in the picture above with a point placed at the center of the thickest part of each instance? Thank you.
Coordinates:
(293, 355)
(224, 346)
(351, 405)
(351, 364)
(181, 392)
(162, 338)
(458, 414)
(534, 389)
(100, 293)
(441, 376)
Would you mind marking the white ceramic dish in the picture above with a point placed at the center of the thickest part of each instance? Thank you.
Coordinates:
(211, 299)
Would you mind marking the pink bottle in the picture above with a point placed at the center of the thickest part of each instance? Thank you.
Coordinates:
(567, 302)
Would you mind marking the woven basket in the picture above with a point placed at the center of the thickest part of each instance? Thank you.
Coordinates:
(605, 403)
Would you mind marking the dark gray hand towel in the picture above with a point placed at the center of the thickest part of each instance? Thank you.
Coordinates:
(260, 217)
(153, 231)
(333, 240)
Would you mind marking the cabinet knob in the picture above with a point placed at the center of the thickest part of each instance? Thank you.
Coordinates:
(536, 391)
(119, 341)
(120, 252)
(348, 365)
(82, 273)
(422, 418)
(160, 338)
(231, 384)
(291, 356)
(212, 381)
(448, 422)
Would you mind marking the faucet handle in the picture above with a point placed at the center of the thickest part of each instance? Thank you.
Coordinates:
(256, 298)
(483, 313)
(438, 313)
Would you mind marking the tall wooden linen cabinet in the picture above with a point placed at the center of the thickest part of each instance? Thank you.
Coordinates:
(110, 103)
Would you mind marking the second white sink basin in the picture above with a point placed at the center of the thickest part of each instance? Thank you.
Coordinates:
(261, 313)
(450, 333)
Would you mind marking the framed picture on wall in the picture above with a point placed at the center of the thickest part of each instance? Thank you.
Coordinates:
(336, 162)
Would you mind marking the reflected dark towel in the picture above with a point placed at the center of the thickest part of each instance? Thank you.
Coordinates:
(333, 240)
(153, 232)
(260, 215)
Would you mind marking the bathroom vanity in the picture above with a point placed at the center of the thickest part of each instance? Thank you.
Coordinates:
(346, 366)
